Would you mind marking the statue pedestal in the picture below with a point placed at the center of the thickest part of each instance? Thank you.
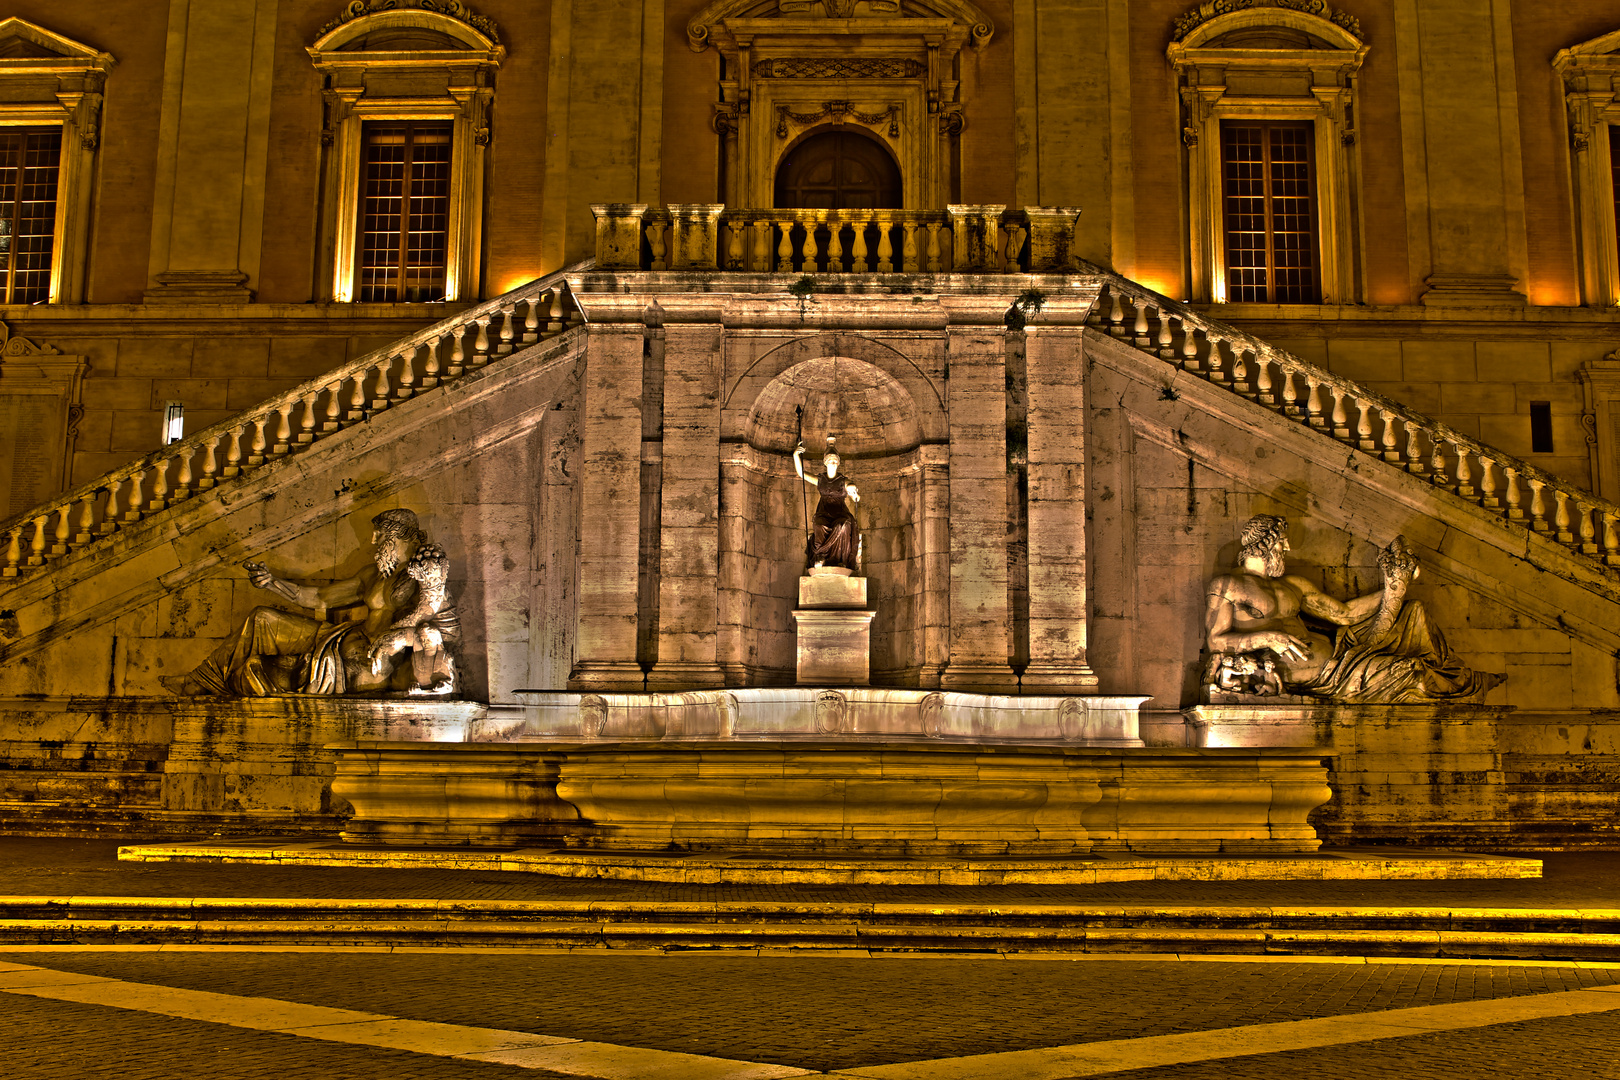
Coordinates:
(834, 630)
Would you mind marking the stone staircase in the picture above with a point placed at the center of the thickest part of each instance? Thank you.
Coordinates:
(94, 513)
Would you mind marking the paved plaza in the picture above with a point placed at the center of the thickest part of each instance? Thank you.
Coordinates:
(754, 1014)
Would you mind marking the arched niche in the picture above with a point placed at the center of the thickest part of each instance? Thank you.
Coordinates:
(765, 508)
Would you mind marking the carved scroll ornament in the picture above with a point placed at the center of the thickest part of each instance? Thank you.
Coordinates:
(1213, 9)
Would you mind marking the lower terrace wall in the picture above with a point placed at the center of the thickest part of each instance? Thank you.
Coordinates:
(1472, 777)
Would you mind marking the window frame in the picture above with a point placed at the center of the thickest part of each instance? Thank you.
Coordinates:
(66, 89)
(365, 85)
(1588, 72)
(407, 196)
(1212, 80)
(1269, 199)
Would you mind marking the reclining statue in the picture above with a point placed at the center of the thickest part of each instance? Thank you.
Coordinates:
(1383, 649)
(408, 611)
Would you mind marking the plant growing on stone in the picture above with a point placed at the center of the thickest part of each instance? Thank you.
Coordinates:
(1029, 302)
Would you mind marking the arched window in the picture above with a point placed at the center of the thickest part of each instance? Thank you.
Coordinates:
(838, 170)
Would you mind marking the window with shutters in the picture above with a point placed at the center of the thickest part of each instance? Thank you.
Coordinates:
(1268, 196)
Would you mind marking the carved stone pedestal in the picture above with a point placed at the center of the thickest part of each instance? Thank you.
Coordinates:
(834, 630)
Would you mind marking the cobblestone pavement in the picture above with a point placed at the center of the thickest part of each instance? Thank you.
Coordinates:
(31, 866)
(820, 1013)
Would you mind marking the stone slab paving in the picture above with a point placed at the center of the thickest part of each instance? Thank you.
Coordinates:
(827, 1013)
(34, 866)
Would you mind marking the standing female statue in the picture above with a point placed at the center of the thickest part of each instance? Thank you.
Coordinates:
(835, 539)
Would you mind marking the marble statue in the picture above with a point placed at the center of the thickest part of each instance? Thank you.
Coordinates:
(835, 539)
(1378, 648)
(408, 610)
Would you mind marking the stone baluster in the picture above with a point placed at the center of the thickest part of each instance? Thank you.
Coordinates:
(1216, 360)
(760, 257)
(1240, 371)
(1340, 415)
(87, 519)
(1263, 390)
(933, 247)
(835, 246)
(1512, 497)
(182, 478)
(160, 487)
(64, 527)
(1016, 235)
(480, 355)
(1589, 540)
(1561, 517)
(1313, 402)
(1414, 451)
(559, 309)
(1538, 505)
(334, 407)
(811, 250)
(36, 547)
(1167, 340)
(1611, 538)
(885, 263)
(1189, 346)
(1465, 480)
(458, 355)
(306, 421)
(1364, 426)
(655, 242)
(109, 514)
(405, 385)
(734, 246)
(357, 397)
(1116, 315)
(784, 249)
(908, 246)
(256, 448)
(430, 366)
(1487, 484)
(210, 464)
(531, 334)
(1391, 446)
(508, 329)
(234, 450)
(1289, 395)
(13, 566)
(1437, 462)
(1139, 328)
(283, 444)
(380, 390)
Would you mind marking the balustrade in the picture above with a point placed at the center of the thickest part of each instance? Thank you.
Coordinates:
(1513, 489)
(228, 450)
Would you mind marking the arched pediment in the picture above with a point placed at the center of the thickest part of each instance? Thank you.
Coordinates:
(409, 26)
(1218, 24)
(976, 25)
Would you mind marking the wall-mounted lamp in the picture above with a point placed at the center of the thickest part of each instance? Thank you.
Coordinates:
(174, 422)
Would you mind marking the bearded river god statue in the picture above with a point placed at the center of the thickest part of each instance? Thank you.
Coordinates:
(407, 611)
(1378, 649)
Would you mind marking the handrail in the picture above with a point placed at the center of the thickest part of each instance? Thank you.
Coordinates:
(264, 433)
(1386, 429)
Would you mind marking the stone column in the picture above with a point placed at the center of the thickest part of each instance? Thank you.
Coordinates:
(1055, 369)
(689, 553)
(980, 618)
(610, 512)
(936, 560)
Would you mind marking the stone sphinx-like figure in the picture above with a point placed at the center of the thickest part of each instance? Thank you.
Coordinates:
(1383, 649)
(407, 609)
(835, 538)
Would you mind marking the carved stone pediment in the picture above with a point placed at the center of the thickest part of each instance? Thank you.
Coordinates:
(725, 23)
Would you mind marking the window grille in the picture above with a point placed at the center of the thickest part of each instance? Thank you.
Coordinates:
(1269, 196)
(404, 212)
(30, 166)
